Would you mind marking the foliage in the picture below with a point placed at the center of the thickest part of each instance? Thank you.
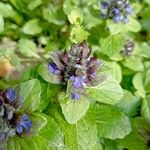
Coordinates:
(113, 113)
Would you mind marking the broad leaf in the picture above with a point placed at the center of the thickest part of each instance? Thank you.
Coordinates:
(109, 91)
(73, 110)
(112, 45)
(30, 95)
(111, 123)
(82, 135)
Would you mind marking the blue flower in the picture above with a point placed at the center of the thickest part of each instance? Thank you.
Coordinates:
(52, 67)
(77, 81)
(2, 136)
(128, 9)
(75, 96)
(116, 11)
(11, 94)
(118, 18)
(104, 5)
(25, 123)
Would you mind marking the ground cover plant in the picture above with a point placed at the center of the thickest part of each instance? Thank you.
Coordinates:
(74, 75)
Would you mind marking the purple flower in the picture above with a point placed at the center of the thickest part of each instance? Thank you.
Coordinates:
(52, 67)
(75, 96)
(11, 94)
(104, 5)
(77, 82)
(25, 123)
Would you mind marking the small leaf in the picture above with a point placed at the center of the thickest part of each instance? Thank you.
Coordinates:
(27, 47)
(73, 110)
(34, 4)
(108, 92)
(32, 27)
(78, 34)
(30, 95)
(111, 123)
(48, 76)
(75, 17)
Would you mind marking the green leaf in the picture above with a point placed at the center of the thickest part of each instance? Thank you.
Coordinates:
(69, 5)
(111, 123)
(75, 17)
(134, 63)
(80, 136)
(32, 27)
(116, 71)
(1, 24)
(34, 4)
(52, 134)
(133, 25)
(48, 76)
(112, 45)
(129, 104)
(78, 34)
(145, 110)
(6, 10)
(27, 47)
(135, 140)
(38, 122)
(73, 110)
(147, 82)
(138, 83)
(49, 138)
(30, 92)
(109, 91)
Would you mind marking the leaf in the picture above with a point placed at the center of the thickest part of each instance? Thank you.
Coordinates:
(112, 45)
(131, 140)
(129, 104)
(73, 110)
(6, 10)
(49, 138)
(30, 92)
(80, 136)
(1, 24)
(147, 81)
(133, 25)
(138, 83)
(38, 122)
(34, 4)
(108, 92)
(32, 27)
(75, 17)
(27, 47)
(48, 76)
(145, 110)
(111, 123)
(78, 34)
(134, 63)
(116, 71)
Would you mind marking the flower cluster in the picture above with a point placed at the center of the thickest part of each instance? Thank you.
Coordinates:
(117, 10)
(128, 48)
(77, 67)
(11, 122)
